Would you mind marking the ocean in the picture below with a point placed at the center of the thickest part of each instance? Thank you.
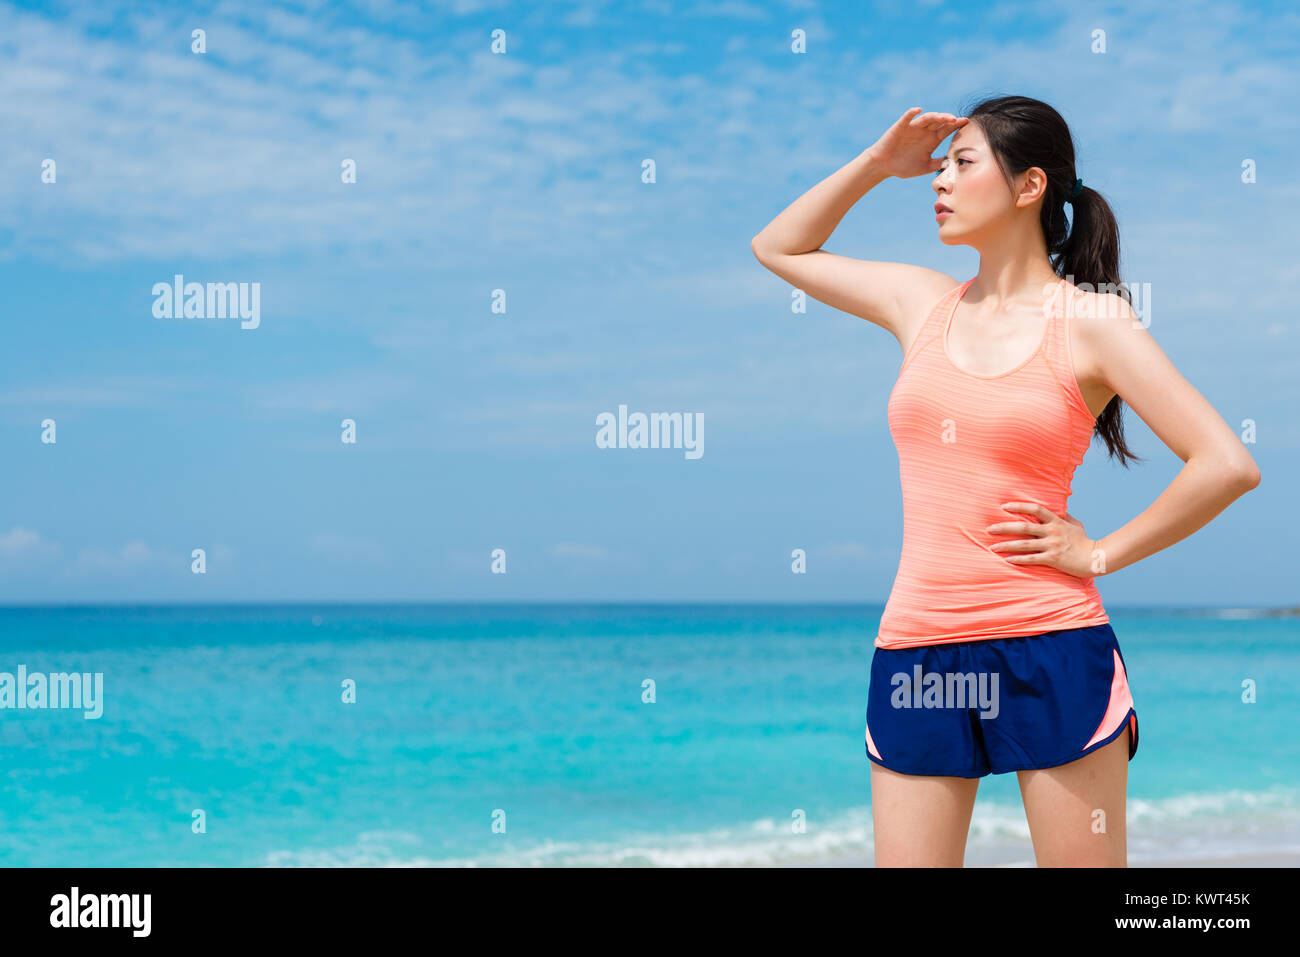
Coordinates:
(571, 735)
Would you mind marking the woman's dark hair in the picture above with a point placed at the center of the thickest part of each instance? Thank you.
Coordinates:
(1024, 132)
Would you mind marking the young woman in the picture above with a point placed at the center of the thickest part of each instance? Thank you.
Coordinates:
(994, 652)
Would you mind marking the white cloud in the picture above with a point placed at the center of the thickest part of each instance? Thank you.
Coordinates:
(846, 550)
(26, 544)
(346, 549)
(131, 556)
(573, 550)
(100, 391)
(347, 394)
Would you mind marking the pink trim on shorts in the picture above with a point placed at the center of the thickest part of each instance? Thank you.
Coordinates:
(871, 745)
(1121, 702)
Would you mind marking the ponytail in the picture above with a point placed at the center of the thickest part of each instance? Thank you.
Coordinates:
(1089, 253)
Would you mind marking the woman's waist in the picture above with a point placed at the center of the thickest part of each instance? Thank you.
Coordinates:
(934, 607)
(966, 560)
(949, 506)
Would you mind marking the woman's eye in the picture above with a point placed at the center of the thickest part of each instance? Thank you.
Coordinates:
(960, 161)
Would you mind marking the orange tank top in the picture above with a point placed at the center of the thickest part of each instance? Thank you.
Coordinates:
(966, 444)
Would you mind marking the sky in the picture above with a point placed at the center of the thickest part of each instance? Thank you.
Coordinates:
(500, 273)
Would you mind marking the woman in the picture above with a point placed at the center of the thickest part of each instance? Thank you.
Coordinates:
(994, 652)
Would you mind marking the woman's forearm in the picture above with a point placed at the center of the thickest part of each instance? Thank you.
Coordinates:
(1201, 490)
(807, 222)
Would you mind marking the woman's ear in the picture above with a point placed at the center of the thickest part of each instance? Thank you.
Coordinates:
(1031, 186)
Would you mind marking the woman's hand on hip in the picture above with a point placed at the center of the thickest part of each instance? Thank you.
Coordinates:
(1053, 540)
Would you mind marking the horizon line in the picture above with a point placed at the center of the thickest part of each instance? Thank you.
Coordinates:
(281, 603)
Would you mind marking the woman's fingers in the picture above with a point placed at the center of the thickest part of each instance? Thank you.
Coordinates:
(934, 120)
(907, 118)
(1031, 508)
(1019, 545)
(1018, 528)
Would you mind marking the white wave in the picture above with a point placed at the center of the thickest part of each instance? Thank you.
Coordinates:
(1188, 827)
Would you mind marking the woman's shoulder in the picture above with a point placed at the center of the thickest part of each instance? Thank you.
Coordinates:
(1102, 323)
(1101, 310)
(917, 301)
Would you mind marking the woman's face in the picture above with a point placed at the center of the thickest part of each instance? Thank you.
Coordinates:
(971, 184)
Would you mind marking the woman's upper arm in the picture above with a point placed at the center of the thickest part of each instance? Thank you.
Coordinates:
(894, 296)
(1134, 366)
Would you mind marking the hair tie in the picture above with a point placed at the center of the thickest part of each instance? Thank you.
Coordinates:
(1074, 192)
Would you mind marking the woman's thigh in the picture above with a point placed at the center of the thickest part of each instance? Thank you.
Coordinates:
(1076, 811)
(920, 820)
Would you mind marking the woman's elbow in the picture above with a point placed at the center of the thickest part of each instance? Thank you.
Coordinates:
(1245, 474)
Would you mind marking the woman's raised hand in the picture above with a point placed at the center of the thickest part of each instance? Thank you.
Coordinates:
(904, 149)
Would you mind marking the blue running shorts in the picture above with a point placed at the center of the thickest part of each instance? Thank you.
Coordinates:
(968, 708)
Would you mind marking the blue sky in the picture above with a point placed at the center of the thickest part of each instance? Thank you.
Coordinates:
(522, 172)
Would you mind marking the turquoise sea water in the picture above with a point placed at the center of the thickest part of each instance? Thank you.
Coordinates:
(532, 715)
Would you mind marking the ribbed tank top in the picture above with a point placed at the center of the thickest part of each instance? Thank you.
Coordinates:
(966, 444)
